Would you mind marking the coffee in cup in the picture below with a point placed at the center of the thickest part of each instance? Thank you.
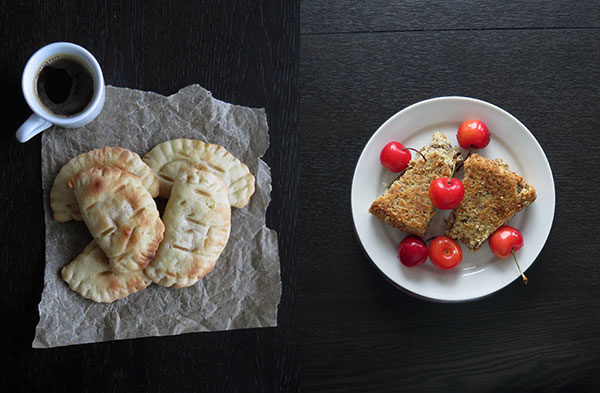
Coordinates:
(64, 85)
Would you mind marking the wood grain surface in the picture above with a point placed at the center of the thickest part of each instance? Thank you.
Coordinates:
(244, 52)
(357, 332)
(344, 16)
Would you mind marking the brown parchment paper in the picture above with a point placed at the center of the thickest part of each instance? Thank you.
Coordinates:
(242, 291)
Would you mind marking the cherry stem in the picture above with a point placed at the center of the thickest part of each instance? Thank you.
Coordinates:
(467, 156)
(410, 148)
(525, 280)
(452, 173)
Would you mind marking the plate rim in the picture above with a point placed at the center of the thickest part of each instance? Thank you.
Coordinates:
(394, 117)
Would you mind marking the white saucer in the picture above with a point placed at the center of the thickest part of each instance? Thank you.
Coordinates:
(480, 273)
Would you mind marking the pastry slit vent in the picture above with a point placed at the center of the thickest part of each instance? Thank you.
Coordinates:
(90, 207)
(128, 240)
(165, 178)
(182, 202)
(182, 248)
(203, 193)
(243, 180)
(122, 186)
(194, 221)
(108, 231)
(106, 273)
(216, 168)
(138, 212)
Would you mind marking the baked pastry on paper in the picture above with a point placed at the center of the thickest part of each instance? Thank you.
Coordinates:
(90, 275)
(493, 195)
(167, 158)
(121, 216)
(197, 221)
(405, 205)
(62, 200)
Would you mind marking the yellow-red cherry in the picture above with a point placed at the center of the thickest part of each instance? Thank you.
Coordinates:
(473, 134)
(445, 253)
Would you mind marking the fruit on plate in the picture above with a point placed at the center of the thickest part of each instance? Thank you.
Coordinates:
(493, 195)
(445, 253)
(395, 157)
(473, 134)
(446, 192)
(412, 251)
(405, 204)
(504, 242)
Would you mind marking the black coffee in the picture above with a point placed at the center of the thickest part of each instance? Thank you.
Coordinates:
(65, 86)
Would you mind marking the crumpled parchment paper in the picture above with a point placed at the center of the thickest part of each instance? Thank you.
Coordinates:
(244, 288)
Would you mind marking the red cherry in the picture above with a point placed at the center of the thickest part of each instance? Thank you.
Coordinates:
(504, 242)
(446, 193)
(412, 251)
(473, 134)
(445, 253)
(395, 157)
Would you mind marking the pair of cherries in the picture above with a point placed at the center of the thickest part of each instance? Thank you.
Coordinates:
(444, 252)
(445, 192)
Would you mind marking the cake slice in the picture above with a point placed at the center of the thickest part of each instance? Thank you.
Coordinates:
(493, 195)
(405, 205)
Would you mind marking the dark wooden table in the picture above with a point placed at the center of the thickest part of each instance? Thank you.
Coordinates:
(345, 67)
(361, 62)
(244, 52)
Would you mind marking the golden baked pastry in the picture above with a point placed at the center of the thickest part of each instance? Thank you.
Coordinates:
(62, 201)
(167, 158)
(90, 275)
(121, 216)
(197, 220)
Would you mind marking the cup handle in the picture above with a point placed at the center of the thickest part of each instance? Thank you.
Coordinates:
(32, 126)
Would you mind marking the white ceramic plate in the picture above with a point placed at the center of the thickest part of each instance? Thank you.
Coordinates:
(480, 273)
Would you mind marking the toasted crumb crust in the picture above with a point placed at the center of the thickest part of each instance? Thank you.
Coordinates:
(405, 205)
(493, 195)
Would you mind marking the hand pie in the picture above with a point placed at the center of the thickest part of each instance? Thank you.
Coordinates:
(197, 220)
(90, 275)
(168, 157)
(62, 200)
(121, 215)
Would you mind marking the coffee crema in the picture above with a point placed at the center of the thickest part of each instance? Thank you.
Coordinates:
(64, 85)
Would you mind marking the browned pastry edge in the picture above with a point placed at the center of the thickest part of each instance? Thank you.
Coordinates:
(493, 195)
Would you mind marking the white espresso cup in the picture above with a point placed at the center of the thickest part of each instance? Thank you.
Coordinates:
(60, 66)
